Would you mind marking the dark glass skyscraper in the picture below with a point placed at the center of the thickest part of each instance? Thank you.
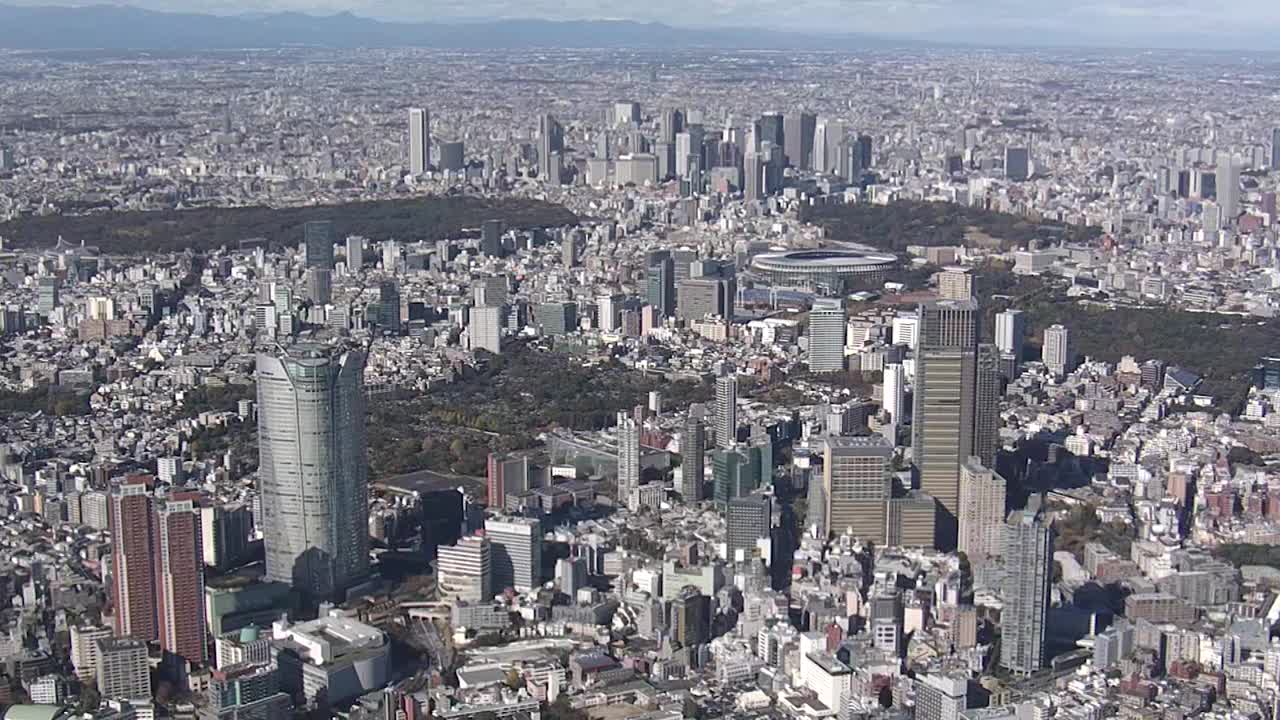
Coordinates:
(661, 282)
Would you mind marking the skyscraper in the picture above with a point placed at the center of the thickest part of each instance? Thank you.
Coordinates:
(355, 254)
(319, 285)
(628, 457)
(1058, 355)
(693, 450)
(133, 554)
(856, 484)
(770, 129)
(1228, 185)
(726, 411)
(945, 389)
(313, 471)
(1017, 164)
(180, 577)
(317, 244)
(464, 570)
(747, 521)
(389, 306)
(123, 670)
(1028, 556)
(986, 398)
(826, 336)
(894, 393)
(955, 283)
(550, 148)
(798, 131)
(941, 697)
(419, 140)
(753, 182)
(691, 617)
(485, 332)
(516, 551)
(661, 282)
(1275, 148)
(1011, 329)
(982, 499)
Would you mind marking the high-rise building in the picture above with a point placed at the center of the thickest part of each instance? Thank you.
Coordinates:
(609, 312)
(661, 282)
(865, 153)
(313, 468)
(246, 691)
(180, 577)
(464, 570)
(945, 400)
(1228, 186)
(941, 697)
(550, 149)
(485, 332)
(1275, 148)
(693, 450)
(317, 244)
(453, 156)
(955, 283)
(726, 411)
(491, 237)
(733, 475)
(571, 575)
(419, 140)
(84, 650)
(702, 297)
(982, 501)
(47, 296)
(389, 306)
(747, 521)
(894, 392)
(628, 456)
(770, 128)
(224, 534)
(1028, 557)
(1058, 356)
(556, 318)
(516, 551)
(798, 132)
(355, 254)
(691, 617)
(123, 669)
(133, 555)
(986, 399)
(1017, 163)
(826, 336)
(319, 286)
(856, 484)
(753, 182)
(1011, 330)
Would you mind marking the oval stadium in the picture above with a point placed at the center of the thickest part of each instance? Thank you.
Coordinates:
(834, 270)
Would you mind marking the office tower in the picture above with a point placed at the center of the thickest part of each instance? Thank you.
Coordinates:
(955, 283)
(753, 180)
(661, 282)
(133, 555)
(550, 147)
(798, 131)
(856, 485)
(894, 393)
(389, 306)
(943, 419)
(826, 336)
(865, 158)
(986, 399)
(747, 521)
(84, 650)
(571, 575)
(313, 469)
(224, 534)
(941, 697)
(732, 475)
(982, 501)
(691, 617)
(453, 156)
(1011, 330)
(485, 332)
(849, 161)
(95, 510)
(569, 250)
(556, 318)
(355, 254)
(609, 313)
(319, 286)
(506, 475)
(180, 577)
(1275, 148)
(701, 297)
(1058, 355)
(913, 520)
(1228, 186)
(1028, 557)
(246, 691)
(317, 244)
(464, 571)
(123, 669)
(770, 128)
(693, 450)
(672, 124)
(1017, 164)
(626, 113)
(491, 238)
(516, 551)
(726, 411)
(47, 296)
(419, 140)
(628, 457)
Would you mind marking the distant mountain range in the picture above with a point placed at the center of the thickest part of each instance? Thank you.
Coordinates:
(114, 27)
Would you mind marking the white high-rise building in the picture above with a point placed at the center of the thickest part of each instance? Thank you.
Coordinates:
(981, 517)
(628, 456)
(516, 552)
(1228, 186)
(464, 570)
(419, 140)
(894, 393)
(485, 332)
(906, 329)
(1010, 331)
(1057, 353)
(939, 697)
(609, 310)
(826, 336)
(84, 650)
(313, 467)
(726, 411)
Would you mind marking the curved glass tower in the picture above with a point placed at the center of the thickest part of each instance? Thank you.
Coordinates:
(313, 472)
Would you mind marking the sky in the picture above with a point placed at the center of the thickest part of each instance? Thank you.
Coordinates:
(1079, 18)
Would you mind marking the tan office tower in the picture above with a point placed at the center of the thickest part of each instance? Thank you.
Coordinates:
(856, 483)
(912, 521)
(955, 283)
(982, 494)
(945, 398)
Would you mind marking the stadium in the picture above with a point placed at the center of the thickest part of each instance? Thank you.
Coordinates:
(832, 270)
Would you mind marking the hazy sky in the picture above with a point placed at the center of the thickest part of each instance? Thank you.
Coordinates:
(1083, 17)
